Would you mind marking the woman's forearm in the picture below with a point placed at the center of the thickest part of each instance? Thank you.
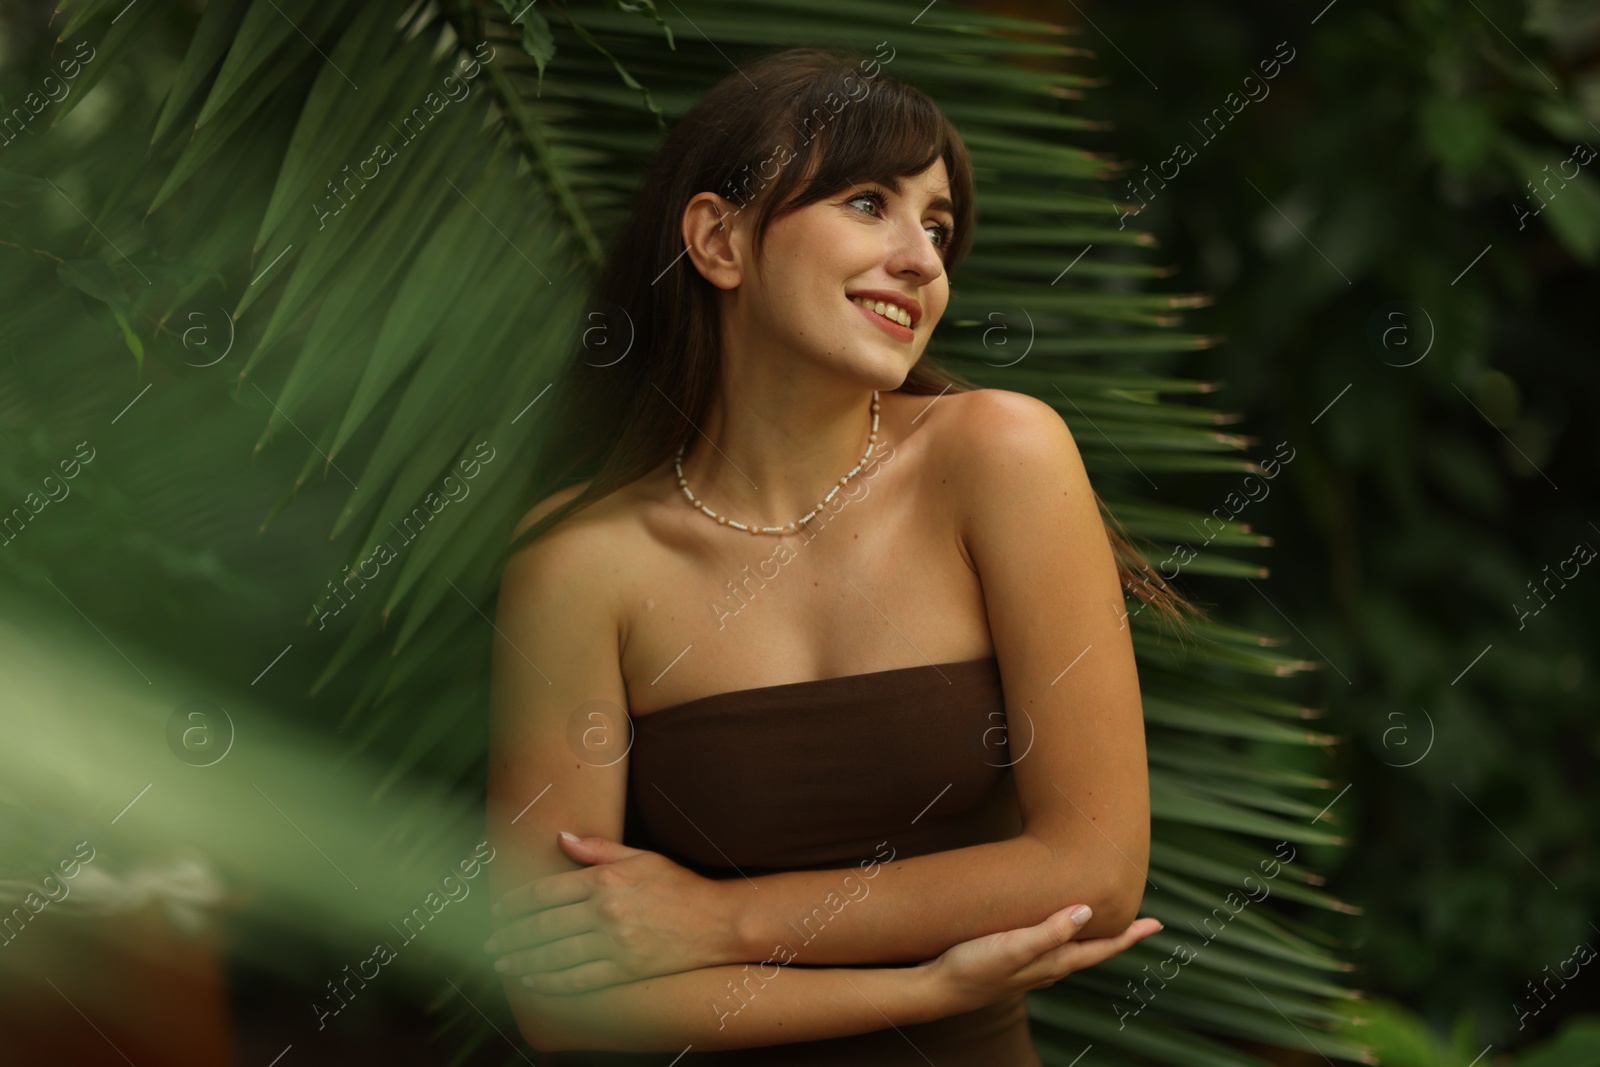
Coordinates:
(913, 909)
(733, 1007)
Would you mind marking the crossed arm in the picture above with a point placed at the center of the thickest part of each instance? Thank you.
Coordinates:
(1029, 525)
(920, 906)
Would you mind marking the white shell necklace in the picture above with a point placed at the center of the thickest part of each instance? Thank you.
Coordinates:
(791, 527)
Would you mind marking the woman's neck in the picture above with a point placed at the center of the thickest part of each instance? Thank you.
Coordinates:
(769, 450)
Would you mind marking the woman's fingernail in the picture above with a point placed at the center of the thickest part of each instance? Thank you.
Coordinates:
(570, 839)
(496, 911)
(489, 946)
(502, 965)
(1080, 914)
(527, 980)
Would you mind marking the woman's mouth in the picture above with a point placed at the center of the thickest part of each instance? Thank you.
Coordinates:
(887, 317)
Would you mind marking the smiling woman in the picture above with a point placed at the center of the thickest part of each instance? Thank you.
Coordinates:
(725, 780)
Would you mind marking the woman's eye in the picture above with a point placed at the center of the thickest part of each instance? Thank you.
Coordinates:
(867, 198)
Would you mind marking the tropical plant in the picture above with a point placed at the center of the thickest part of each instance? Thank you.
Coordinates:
(1399, 1037)
(360, 235)
(1442, 157)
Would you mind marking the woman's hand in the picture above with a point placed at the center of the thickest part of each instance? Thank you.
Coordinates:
(991, 968)
(630, 914)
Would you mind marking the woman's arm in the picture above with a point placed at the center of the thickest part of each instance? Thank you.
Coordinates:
(794, 1004)
(734, 1007)
(648, 916)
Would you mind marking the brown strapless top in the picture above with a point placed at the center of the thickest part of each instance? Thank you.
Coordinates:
(827, 774)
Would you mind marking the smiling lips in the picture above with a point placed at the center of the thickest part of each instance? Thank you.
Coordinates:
(893, 318)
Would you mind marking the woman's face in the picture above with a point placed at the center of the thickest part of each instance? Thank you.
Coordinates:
(821, 264)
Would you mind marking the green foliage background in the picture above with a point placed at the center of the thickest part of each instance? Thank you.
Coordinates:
(1400, 142)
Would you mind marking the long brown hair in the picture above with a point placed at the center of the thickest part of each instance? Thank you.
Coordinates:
(817, 123)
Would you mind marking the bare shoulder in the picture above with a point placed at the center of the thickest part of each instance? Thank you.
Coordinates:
(580, 552)
(988, 439)
(1012, 473)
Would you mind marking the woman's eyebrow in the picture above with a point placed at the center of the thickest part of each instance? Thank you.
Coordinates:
(938, 203)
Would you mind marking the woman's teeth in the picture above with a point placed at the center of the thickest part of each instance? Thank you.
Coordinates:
(888, 311)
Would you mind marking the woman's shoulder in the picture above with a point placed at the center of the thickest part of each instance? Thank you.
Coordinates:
(589, 541)
(568, 579)
(989, 409)
(981, 428)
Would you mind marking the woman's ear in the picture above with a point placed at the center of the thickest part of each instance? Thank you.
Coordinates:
(713, 240)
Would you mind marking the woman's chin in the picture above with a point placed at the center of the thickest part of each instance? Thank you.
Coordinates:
(886, 374)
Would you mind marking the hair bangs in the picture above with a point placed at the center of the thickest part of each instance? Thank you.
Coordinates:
(845, 131)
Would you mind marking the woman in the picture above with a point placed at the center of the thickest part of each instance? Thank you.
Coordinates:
(903, 732)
